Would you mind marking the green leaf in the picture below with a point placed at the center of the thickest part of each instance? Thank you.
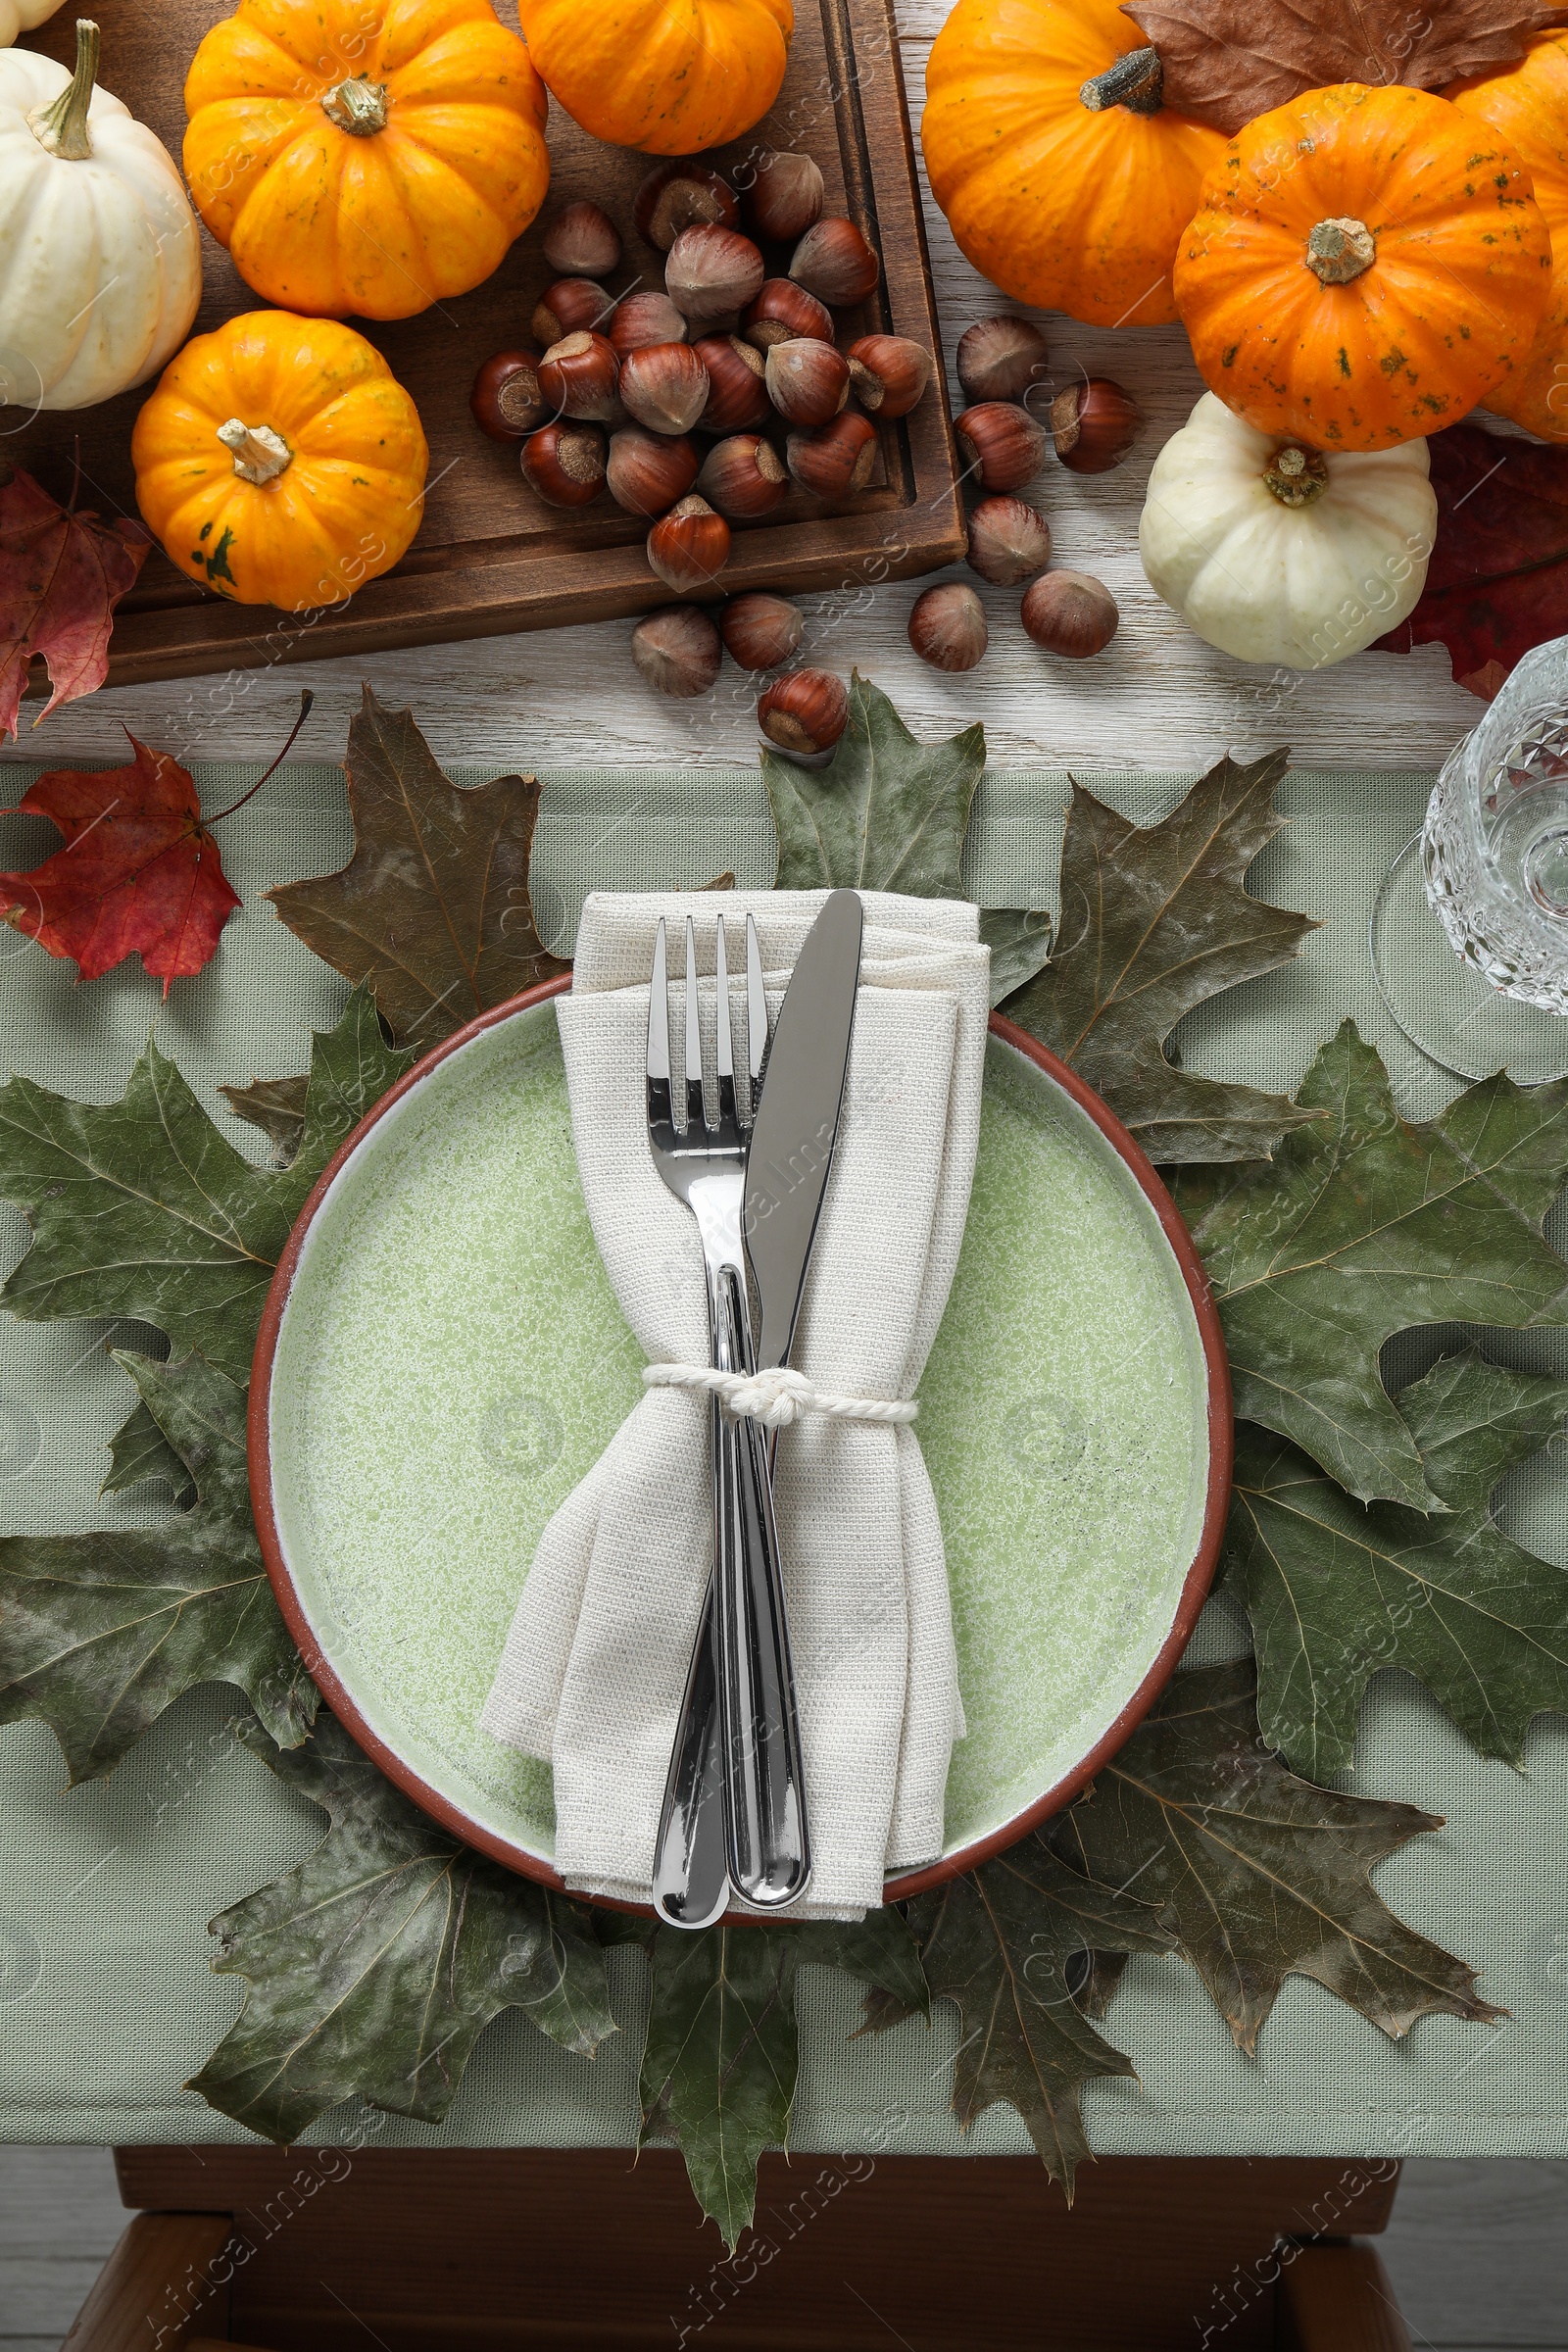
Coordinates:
(138, 1451)
(1001, 1943)
(722, 2051)
(886, 813)
(99, 1634)
(1256, 1874)
(1155, 918)
(277, 1106)
(1363, 1226)
(432, 910)
(140, 1208)
(1020, 946)
(1337, 1591)
(373, 1968)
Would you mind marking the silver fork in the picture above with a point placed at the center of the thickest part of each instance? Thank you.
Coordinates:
(754, 1837)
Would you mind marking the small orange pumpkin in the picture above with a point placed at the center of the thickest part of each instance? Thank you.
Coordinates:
(1362, 271)
(1528, 106)
(365, 161)
(280, 461)
(670, 76)
(1064, 178)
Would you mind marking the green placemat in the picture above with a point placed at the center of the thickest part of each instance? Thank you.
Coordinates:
(107, 2003)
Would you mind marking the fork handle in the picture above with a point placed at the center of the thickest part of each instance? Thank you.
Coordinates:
(766, 1832)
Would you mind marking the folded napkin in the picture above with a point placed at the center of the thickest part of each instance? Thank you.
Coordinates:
(594, 1665)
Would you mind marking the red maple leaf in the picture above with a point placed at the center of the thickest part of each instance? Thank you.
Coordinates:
(61, 576)
(139, 874)
(1498, 583)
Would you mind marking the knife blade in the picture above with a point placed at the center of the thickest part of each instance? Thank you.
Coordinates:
(797, 1123)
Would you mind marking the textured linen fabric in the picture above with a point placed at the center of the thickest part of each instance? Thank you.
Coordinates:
(596, 1662)
(108, 2003)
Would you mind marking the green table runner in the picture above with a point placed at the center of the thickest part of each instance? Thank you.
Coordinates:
(107, 2002)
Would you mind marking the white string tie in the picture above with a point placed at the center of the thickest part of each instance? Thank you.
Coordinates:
(776, 1399)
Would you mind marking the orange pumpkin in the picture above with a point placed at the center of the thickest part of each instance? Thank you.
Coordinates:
(671, 77)
(280, 461)
(1063, 178)
(365, 161)
(1528, 106)
(1362, 271)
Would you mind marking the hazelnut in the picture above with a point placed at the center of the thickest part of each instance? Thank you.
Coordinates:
(680, 195)
(744, 477)
(947, 627)
(638, 319)
(582, 242)
(565, 464)
(834, 262)
(677, 651)
(572, 306)
(664, 386)
(837, 457)
(648, 473)
(1008, 539)
(737, 397)
(805, 714)
(1068, 612)
(689, 546)
(506, 399)
(1093, 424)
(807, 382)
(578, 376)
(1002, 446)
(760, 631)
(711, 273)
(889, 374)
(999, 359)
(785, 197)
(782, 313)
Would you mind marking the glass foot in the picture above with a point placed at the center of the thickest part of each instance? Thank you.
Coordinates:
(1445, 1009)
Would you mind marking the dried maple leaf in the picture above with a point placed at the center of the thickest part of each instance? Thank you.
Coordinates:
(139, 874)
(1498, 583)
(61, 576)
(1155, 918)
(1255, 1873)
(1227, 60)
(433, 906)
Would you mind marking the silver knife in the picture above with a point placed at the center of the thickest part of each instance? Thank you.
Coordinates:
(790, 1154)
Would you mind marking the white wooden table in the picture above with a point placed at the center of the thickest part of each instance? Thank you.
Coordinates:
(1156, 698)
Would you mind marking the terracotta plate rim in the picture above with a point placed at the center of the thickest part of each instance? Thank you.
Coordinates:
(430, 1800)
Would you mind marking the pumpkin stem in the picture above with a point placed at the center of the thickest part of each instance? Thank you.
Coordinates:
(260, 454)
(1340, 250)
(62, 126)
(356, 106)
(1297, 475)
(1135, 81)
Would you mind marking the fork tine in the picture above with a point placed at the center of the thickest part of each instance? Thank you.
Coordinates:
(696, 1114)
(755, 1012)
(728, 1111)
(658, 1036)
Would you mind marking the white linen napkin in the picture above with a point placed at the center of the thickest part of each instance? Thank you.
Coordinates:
(594, 1665)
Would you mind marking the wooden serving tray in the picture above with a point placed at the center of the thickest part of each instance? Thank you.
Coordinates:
(490, 556)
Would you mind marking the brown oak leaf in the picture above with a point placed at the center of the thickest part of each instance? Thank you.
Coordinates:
(139, 874)
(1498, 583)
(1228, 60)
(62, 573)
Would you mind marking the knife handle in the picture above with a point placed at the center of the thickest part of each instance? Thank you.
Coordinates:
(766, 1831)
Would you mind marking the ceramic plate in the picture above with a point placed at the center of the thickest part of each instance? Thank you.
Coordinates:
(442, 1360)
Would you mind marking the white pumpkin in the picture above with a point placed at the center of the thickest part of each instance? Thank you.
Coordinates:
(21, 15)
(1280, 553)
(100, 259)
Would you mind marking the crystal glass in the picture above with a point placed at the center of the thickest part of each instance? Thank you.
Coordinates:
(1493, 857)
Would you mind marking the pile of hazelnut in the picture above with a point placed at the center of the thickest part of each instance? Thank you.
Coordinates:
(1091, 426)
(612, 391)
